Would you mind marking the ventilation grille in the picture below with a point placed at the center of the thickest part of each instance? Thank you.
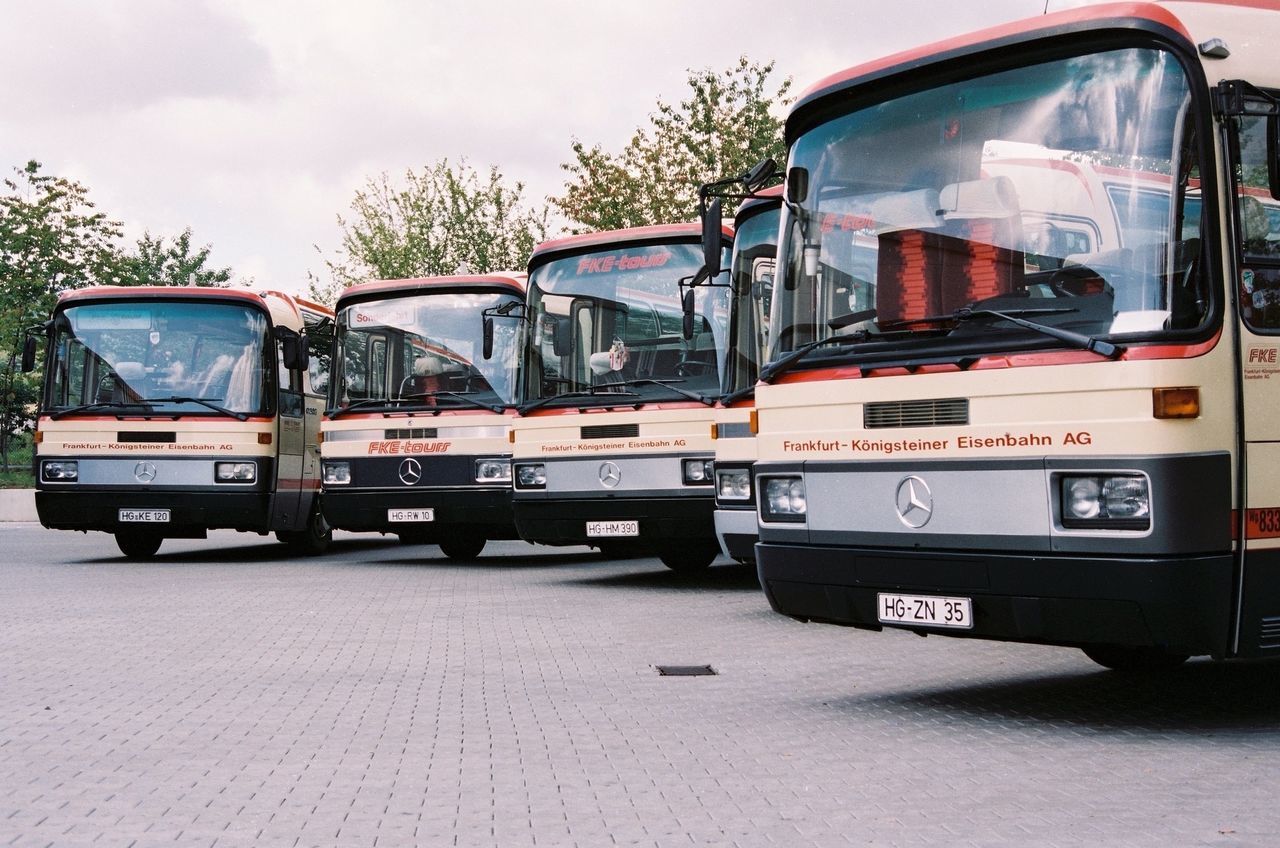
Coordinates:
(916, 413)
(145, 436)
(611, 431)
(1269, 637)
(412, 433)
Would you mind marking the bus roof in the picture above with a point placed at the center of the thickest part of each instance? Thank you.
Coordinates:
(1146, 16)
(283, 308)
(608, 238)
(512, 281)
(766, 197)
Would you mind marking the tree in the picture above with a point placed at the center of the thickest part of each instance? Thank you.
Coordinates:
(726, 126)
(440, 220)
(158, 262)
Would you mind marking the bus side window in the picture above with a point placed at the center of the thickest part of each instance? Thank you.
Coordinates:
(319, 349)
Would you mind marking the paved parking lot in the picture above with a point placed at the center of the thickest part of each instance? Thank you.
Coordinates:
(226, 695)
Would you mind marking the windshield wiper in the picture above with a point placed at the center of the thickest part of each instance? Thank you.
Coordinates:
(778, 366)
(1071, 337)
(541, 402)
(666, 384)
(966, 312)
(745, 391)
(221, 410)
(91, 407)
(461, 396)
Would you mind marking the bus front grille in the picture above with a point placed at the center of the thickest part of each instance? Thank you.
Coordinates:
(916, 413)
(1269, 635)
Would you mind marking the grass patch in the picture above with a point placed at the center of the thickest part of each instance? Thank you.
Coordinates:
(20, 461)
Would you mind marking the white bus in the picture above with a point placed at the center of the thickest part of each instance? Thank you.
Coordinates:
(1004, 410)
(751, 275)
(612, 445)
(168, 412)
(415, 436)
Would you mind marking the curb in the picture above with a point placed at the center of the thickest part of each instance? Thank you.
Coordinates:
(18, 505)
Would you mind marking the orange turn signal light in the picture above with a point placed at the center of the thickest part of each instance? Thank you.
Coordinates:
(37, 437)
(511, 436)
(755, 422)
(1183, 402)
(264, 438)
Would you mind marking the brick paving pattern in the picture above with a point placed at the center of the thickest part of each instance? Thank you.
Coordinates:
(382, 696)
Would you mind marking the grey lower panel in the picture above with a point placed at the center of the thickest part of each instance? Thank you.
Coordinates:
(1010, 505)
(159, 472)
(635, 475)
(734, 522)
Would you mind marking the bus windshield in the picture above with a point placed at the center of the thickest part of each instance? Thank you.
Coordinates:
(611, 322)
(425, 351)
(1064, 193)
(172, 357)
(755, 247)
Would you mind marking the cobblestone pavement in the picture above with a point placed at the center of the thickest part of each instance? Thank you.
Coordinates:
(382, 696)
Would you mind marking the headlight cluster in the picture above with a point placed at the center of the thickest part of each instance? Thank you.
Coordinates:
(1119, 501)
(337, 473)
(697, 472)
(783, 499)
(531, 476)
(733, 484)
(235, 472)
(60, 471)
(493, 471)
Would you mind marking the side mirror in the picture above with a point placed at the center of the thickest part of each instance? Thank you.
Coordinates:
(687, 305)
(29, 345)
(797, 184)
(712, 222)
(764, 170)
(293, 349)
(487, 338)
(562, 338)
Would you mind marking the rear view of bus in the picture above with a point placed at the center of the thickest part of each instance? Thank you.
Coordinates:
(415, 436)
(613, 444)
(169, 412)
(1023, 340)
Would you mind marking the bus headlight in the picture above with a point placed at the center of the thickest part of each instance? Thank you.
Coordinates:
(697, 472)
(60, 470)
(531, 476)
(493, 471)
(235, 472)
(1118, 501)
(337, 473)
(783, 499)
(733, 484)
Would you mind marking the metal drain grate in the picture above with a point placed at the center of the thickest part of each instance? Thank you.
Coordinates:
(685, 670)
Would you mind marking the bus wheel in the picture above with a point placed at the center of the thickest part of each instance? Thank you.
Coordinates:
(688, 557)
(1134, 659)
(463, 546)
(138, 545)
(311, 541)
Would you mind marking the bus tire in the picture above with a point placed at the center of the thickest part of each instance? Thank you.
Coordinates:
(137, 544)
(1132, 659)
(463, 547)
(689, 557)
(312, 540)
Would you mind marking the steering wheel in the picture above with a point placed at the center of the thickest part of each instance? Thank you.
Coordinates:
(693, 367)
(1068, 281)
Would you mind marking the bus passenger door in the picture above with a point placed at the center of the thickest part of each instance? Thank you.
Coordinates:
(316, 382)
(287, 514)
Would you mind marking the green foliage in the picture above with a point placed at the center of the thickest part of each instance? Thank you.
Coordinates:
(441, 220)
(159, 262)
(725, 127)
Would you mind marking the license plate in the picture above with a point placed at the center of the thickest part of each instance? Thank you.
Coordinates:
(933, 610)
(155, 516)
(410, 515)
(597, 529)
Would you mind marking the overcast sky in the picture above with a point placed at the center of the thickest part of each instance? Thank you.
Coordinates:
(255, 121)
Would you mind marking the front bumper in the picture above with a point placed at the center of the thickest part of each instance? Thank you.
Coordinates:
(485, 510)
(1182, 604)
(738, 532)
(191, 514)
(662, 520)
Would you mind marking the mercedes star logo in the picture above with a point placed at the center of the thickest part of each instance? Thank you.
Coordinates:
(144, 472)
(410, 472)
(610, 474)
(914, 502)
